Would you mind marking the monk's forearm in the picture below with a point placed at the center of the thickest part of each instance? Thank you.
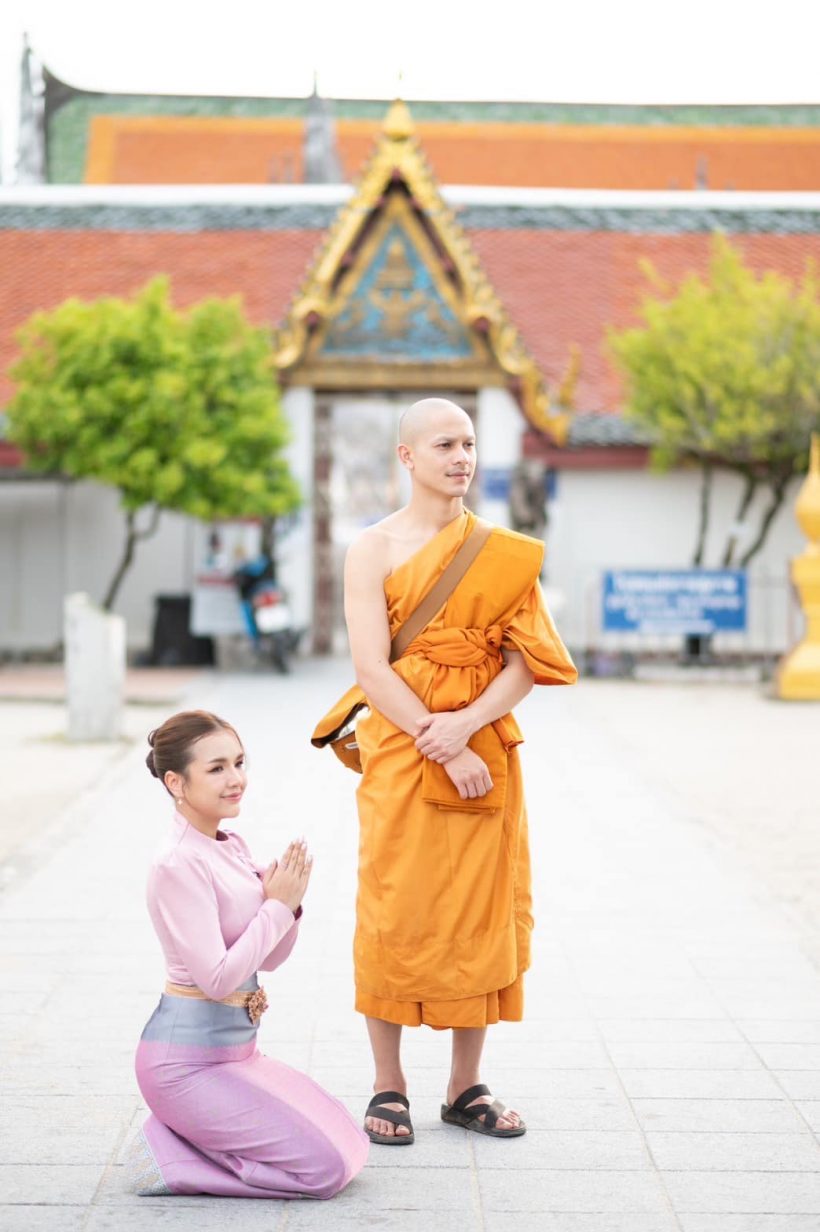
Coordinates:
(502, 694)
(387, 693)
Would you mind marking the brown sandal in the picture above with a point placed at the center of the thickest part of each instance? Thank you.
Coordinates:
(480, 1118)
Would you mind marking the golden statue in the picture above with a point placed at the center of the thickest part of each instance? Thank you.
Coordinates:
(798, 677)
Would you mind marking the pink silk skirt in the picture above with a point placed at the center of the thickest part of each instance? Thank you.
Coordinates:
(227, 1120)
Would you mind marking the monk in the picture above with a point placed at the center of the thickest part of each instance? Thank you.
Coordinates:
(443, 911)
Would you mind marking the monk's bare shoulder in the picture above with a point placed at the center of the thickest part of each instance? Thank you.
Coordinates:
(368, 557)
(378, 549)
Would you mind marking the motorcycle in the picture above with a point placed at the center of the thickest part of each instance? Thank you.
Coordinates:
(267, 614)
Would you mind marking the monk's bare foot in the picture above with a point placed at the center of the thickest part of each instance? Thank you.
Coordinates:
(377, 1114)
(508, 1120)
(378, 1126)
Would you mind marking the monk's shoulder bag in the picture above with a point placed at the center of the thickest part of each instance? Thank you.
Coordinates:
(343, 740)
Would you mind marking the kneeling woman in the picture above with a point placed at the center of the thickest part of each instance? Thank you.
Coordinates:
(224, 1118)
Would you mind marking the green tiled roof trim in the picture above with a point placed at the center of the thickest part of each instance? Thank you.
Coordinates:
(640, 220)
(602, 430)
(202, 216)
(179, 218)
(69, 124)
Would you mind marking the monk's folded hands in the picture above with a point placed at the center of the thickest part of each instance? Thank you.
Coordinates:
(444, 735)
(469, 775)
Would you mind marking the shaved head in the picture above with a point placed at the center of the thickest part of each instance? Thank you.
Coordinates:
(426, 415)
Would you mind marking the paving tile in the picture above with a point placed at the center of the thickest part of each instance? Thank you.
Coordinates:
(810, 1109)
(42, 1218)
(780, 1031)
(564, 1149)
(600, 1221)
(322, 1217)
(197, 1214)
(680, 1054)
(800, 1083)
(430, 1150)
(604, 1113)
(511, 1084)
(669, 1030)
(748, 1223)
(576, 1192)
(49, 1184)
(700, 1084)
(738, 1193)
(779, 1056)
(55, 1143)
(695, 1005)
(718, 1115)
(30, 1078)
(728, 1151)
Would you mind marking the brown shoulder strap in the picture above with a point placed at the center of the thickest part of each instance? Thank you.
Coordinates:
(441, 589)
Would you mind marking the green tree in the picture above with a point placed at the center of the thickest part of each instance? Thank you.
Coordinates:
(177, 410)
(725, 372)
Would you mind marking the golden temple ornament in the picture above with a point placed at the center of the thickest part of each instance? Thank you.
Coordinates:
(798, 676)
(399, 160)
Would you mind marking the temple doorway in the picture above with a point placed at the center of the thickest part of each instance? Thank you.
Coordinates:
(358, 481)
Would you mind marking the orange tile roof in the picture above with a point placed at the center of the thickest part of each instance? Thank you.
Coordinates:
(223, 150)
(560, 287)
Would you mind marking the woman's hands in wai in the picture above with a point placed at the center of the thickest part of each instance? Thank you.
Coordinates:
(287, 879)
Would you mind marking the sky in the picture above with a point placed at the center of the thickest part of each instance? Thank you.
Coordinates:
(718, 51)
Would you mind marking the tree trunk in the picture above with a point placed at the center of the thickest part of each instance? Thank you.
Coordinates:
(706, 476)
(778, 496)
(132, 537)
(749, 489)
(268, 541)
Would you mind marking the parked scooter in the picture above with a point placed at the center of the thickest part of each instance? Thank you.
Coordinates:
(267, 612)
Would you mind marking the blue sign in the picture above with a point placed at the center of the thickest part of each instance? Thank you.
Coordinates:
(683, 601)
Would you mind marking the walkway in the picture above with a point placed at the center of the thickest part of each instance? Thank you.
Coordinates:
(669, 1064)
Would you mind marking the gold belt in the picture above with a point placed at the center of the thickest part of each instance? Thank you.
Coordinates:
(254, 1002)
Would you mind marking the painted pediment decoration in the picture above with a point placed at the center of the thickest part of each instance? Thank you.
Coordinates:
(397, 299)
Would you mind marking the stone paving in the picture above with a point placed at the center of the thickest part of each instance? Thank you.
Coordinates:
(668, 1067)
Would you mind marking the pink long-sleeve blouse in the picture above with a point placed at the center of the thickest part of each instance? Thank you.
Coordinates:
(208, 908)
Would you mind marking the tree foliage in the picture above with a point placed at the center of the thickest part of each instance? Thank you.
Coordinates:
(177, 410)
(725, 371)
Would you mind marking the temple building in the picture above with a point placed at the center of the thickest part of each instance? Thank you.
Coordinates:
(482, 253)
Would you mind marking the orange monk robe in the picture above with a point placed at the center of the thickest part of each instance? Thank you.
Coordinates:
(443, 911)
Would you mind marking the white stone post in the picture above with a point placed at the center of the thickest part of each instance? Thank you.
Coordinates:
(94, 669)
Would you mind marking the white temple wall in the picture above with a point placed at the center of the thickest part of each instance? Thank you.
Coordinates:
(499, 449)
(609, 519)
(295, 547)
(56, 538)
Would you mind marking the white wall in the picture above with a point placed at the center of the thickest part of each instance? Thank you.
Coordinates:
(499, 427)
(296, 545)
(636, 519)
(56, 538)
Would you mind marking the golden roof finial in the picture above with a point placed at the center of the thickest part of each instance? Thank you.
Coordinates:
(398, 123)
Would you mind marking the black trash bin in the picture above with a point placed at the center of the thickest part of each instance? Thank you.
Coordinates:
(173, 644)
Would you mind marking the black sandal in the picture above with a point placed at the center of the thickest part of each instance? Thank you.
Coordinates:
(375, 1109)
(480, 1118)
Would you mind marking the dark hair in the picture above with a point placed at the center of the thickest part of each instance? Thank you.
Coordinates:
(172, 744)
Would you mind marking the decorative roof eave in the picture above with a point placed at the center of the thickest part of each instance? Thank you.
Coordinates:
(398, 156)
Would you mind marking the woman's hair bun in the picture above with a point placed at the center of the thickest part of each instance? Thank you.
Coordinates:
(173, 741)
